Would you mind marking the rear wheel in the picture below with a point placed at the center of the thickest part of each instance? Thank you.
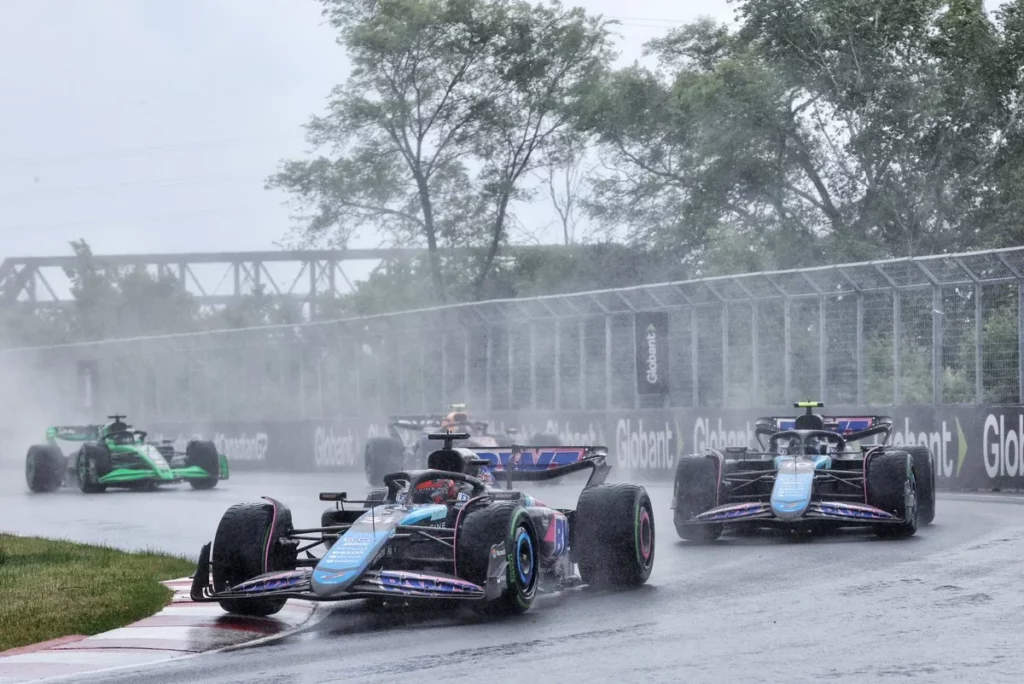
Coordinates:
(204, 455)
(484, 527)
(613, 542)
(44, 468)
(892, 486)
(92, 464)
(248, 543)
(695, 491)
(382, 455)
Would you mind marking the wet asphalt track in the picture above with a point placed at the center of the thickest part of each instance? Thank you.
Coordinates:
(945, 606)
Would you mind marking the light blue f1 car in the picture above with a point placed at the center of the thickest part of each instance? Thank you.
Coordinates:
(446, 532)
(809, 477)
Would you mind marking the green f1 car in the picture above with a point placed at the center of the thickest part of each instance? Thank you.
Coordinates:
(115, 455)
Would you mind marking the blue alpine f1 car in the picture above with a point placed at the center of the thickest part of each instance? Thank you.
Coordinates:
(446, 532)
(812, 474)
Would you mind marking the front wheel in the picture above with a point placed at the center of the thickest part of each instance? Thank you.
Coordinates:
(501, 523)
(924, 471)
(250, 541)
(93, 463)
(892, 486)
(614, 535)
(44, 468)
(695, 491)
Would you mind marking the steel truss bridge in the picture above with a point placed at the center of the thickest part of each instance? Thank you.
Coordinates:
(303, 276)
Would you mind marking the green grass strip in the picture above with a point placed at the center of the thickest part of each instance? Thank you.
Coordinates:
(50, 589)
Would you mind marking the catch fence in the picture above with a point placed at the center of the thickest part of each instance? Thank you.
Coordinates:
(937, 330)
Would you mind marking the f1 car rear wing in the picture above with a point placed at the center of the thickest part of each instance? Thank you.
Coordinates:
(433, 421)
(851, 428)
(74, 433)
(539, 463)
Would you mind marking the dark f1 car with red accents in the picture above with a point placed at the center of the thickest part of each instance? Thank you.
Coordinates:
(811, 474)
(445, 532)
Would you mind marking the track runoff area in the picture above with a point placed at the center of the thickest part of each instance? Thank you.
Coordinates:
(941, 606)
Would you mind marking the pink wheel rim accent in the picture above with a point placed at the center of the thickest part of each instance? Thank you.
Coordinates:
(645, 535)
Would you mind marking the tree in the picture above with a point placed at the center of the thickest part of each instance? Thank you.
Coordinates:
(854, 129)
(448, 106)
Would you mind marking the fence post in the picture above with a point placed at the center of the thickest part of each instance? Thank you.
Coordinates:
(755, 342)
(859, 350)
(822, 351)
(979, 332)
(581, 326)
(897, 330)
(558, 364)
(444, 370)
(937, 344)
(694, 357)
(725, 354)
(1020, 341)
(509, 374)
(487, 368)
(607, 361)
(465, 364)
(533, 365)
(787, 314)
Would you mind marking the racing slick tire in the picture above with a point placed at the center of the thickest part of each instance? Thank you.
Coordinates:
(382, 455)
(44, 468)
(93, 463)
(247, 544)
(924, 470)
(613, 536)
(695, 491)
(892, 486)
(483, 527)
(203, 454)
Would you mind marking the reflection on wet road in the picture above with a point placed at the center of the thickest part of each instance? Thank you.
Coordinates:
(943, 606)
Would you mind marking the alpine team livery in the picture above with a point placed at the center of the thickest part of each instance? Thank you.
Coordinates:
(444, 532)
(408, 442)
(115, 455)
(810, 475)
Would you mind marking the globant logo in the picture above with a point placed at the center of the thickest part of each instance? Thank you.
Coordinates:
(707, 437)
(652, 354)
(642, 449)
(334, 450)
(1002, 446)
(938, 441)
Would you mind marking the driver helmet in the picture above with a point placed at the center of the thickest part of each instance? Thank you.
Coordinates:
(453, 419)
(813, 445)
(439, 491)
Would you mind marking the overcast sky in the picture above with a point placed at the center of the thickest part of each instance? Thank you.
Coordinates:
(150, 125)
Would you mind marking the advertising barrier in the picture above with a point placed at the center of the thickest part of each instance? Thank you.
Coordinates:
(974, 447)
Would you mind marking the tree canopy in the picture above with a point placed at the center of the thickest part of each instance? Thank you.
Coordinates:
(812, 132)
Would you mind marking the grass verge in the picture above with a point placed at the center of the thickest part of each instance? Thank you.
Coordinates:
(50, 588)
